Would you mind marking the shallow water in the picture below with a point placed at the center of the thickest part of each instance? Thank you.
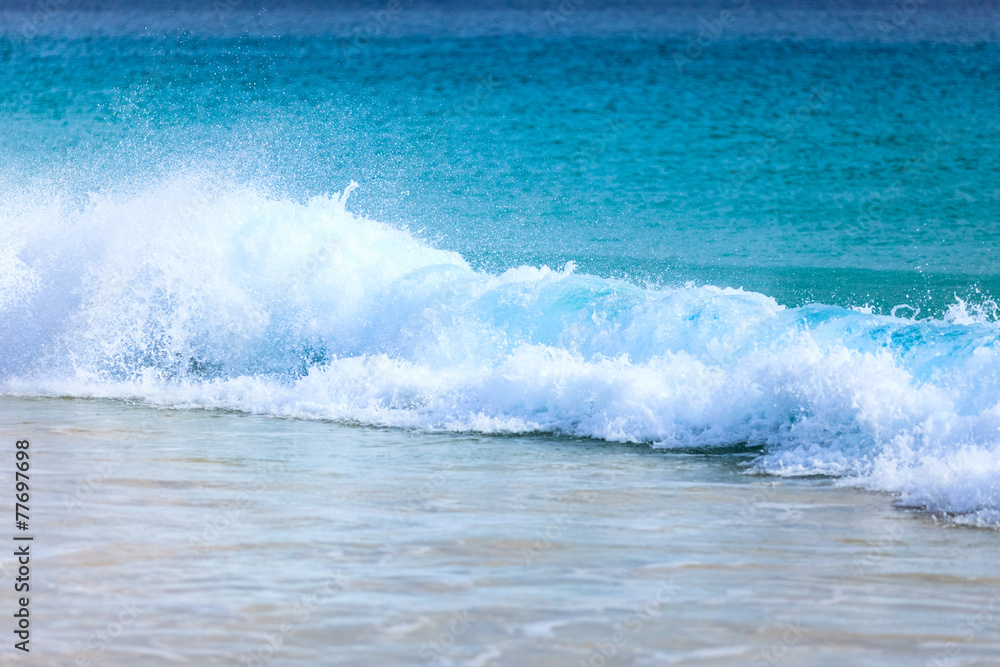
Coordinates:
(217, 525)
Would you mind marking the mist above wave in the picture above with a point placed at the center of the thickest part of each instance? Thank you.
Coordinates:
(197, 293)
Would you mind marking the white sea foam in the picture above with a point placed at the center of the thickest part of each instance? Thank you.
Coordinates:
(222, 297)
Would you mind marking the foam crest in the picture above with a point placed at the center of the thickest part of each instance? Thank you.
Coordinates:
(201, 294)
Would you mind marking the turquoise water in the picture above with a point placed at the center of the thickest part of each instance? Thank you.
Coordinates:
(853, 173)
(512, 221)
(519, 311)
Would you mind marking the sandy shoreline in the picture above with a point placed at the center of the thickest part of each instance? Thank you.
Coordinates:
(215, 538)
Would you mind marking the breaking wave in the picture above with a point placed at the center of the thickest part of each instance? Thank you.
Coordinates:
(202, 295)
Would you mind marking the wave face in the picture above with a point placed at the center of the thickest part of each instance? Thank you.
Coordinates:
(200, 295)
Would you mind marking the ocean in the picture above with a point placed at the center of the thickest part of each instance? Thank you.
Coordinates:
(573, 332)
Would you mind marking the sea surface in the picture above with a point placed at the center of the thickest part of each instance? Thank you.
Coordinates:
(536, 307)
